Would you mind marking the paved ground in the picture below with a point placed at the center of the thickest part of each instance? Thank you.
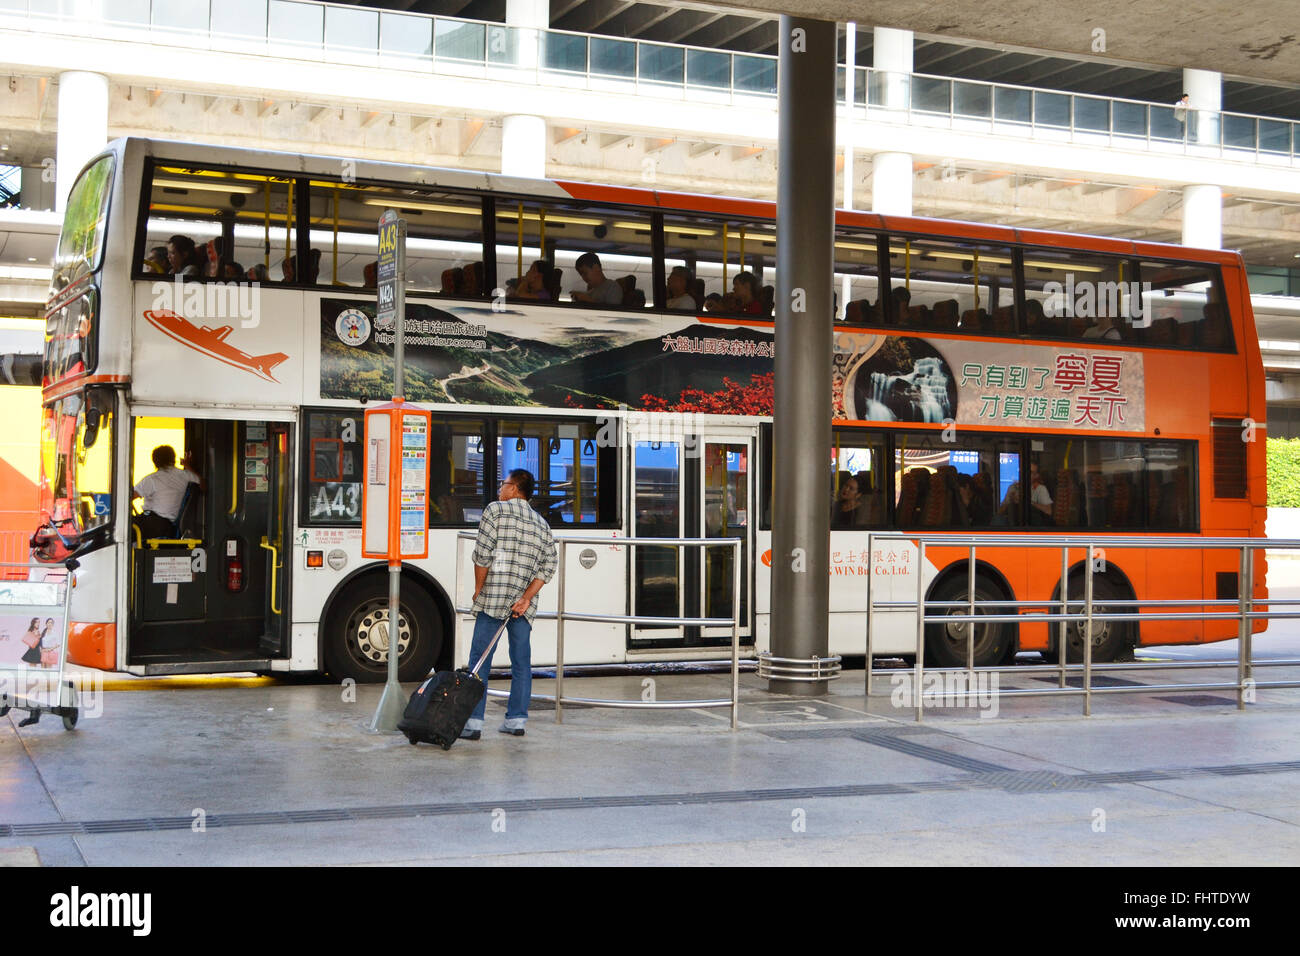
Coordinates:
(288, 774)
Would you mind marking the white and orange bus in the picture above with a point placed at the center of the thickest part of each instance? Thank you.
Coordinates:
(1111, 380)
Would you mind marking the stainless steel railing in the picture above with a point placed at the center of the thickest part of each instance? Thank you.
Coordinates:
(562, 614)
(1090, 546)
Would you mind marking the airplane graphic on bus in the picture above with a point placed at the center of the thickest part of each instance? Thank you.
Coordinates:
(213, 343)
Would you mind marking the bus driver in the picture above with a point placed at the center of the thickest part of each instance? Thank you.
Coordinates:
(163, 491)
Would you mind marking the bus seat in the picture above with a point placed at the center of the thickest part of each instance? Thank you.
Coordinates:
(945, 315)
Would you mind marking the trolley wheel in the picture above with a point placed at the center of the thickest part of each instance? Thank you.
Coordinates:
(356, 635)
(70, 718)
(4, 710)
(945, 644)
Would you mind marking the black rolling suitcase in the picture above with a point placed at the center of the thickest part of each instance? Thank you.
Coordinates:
(441, 706)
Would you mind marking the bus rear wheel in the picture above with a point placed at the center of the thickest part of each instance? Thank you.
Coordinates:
(1109, 638)
(945, 644)
(357, 634)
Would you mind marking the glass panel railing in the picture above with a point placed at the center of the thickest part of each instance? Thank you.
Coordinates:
(1238, 131)
(352, 29)
(1130, 118)
(1011, 105)
(239, 18)
(1274, 136)
(1052, 109)
(974, 100)
(708, 69)
(503, 46)
(177, 16)
(115, 11)
(1092, 114)
(298, 23)
(657, 63)
(405, 35)
(613, 57)
(564, 51)
(931, 95)
(458, 40)
(753, 74)
(1165, 124)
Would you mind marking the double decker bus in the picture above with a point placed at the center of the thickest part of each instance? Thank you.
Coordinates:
(985, 378)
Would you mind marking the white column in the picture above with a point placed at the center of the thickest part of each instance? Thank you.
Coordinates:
(83, 127)
(850, 82)
(1205, 89)
(523, 136)
(891, 173)
(891, 184)
(892, 57)
(1203, 216)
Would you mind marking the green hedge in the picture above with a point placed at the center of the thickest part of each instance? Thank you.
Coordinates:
(1284, 472)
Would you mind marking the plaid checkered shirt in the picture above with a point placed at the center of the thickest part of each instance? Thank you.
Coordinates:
(516, 545)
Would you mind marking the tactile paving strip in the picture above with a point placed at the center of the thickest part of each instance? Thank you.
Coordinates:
(1011, 781)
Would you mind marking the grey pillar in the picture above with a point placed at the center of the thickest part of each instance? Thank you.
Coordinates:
(804, 330)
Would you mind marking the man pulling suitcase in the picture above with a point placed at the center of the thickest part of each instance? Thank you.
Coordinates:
(515, 553)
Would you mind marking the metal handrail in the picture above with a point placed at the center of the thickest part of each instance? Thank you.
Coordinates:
(561, 615)
(318, 47)
(1089, 544)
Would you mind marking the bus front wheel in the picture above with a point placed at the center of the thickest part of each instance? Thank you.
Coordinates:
(357, 635)
(1109, 638)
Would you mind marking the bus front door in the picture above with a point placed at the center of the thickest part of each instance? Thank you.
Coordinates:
(692, 486)
(277, 544)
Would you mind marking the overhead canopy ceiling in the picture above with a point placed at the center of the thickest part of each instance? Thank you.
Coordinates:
(1146, 45)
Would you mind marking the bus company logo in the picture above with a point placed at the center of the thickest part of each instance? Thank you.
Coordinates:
(214, 344)
(77, 909)
(767, 558)
(352, 327)
(227, 301)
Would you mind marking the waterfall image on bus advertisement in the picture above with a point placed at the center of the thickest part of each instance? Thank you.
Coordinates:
(900, 379)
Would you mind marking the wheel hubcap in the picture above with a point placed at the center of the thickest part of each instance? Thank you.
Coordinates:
(371, 638)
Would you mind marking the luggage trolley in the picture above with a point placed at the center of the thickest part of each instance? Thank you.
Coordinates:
(33, 617)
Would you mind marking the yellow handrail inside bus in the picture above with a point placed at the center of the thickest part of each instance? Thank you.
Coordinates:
(288, 225)
(266, 225)
(156, 543)
(519, 248)
(275, 566)
(1123, 312)
(335, 275)
(234, 468)
(977, 281)
(724, 258)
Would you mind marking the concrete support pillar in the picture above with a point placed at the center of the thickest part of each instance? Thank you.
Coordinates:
(523, 136)
(804, 277)
(892, 60)
(891, 173)
(1206, 99)
(83, 127)
(850, 101)
(1203, 216)
(891, 184)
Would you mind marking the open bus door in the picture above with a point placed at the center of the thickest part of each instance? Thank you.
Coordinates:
(212, 594)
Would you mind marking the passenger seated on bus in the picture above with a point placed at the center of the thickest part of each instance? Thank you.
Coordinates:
(600, 290)
(1009, 511)
(370, 275)
(745, 288)
(697, 290)
(767, 296)
(258, 273)
(902, 303)
(633, 298)
(976, 509)
(1040, 498)
(473, 280)
(1105, 329)
(511, 285)
(680, 282)
(212, 260)
(1036, 320)
(163, 492)
(453, 281)
(850, 509)
(234, 272)
(713, 302)
(156, 261)
(289, 269)
(533, 285)
(182, 258)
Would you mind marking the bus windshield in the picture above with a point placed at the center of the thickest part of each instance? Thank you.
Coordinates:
(76, 470)
(81, 243)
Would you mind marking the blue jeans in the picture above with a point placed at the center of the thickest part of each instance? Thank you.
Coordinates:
(518, 631)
